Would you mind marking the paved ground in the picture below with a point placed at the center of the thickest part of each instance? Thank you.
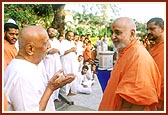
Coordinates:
(81, 102)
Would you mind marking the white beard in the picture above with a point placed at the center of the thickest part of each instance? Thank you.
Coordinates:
(120, 46)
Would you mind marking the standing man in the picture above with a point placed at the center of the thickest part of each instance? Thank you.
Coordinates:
(25, 84)
(155, 29)
(52, 60)
(69, 61)
(105, 43)
(11, 32)
(98, 46)
(135, 81)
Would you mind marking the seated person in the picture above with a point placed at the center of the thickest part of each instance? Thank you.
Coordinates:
(83, 84)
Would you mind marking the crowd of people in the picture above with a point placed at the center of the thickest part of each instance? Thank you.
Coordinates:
(42, 54)
(46, 64)
(101, 45)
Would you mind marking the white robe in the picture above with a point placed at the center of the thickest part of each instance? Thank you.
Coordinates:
(24, 85)
(80, 65)
(89, 72)
(99, 47)
(105, 44)
(80, 48)
(52, 63)
(70, 64)
(82, 79)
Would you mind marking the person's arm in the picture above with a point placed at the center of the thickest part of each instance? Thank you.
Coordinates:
(44, 100)
(70, 50)
(53, 51)
(55, 82)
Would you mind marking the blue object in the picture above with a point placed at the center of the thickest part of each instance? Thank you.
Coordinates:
(103, 76)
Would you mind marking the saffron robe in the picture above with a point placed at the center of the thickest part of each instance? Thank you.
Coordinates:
(10, 52)
(88, 53)
(134, 78)
(157, 52)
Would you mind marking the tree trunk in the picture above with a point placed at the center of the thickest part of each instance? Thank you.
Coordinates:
(59, 16)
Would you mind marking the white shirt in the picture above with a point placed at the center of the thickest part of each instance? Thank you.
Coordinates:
(105, 44)
(52, 62)
(99, 45)
(25, 85)
(80, 48)
(69, 61)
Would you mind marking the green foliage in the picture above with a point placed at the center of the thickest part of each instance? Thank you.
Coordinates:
(29, 14)
(141, 28)
(96, 25)
(81, 31)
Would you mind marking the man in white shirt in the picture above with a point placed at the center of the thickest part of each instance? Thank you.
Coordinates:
(69, 61)
(52, 60)
(83, 84)
(98, 46)
(105, 43)
(25, 83)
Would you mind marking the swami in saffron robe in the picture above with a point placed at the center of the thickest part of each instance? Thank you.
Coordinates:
(135, 78)
(157, 52)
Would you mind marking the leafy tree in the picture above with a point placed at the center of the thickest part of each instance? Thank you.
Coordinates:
(59, 16)
(141, 28)
(96, 16)
(95, 19)
(25, 14)
(44, 14)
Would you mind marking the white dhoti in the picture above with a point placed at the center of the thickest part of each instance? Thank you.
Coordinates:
(70, 65)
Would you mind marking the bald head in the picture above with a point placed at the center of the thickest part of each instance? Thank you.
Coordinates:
(123, 32)
(31, 34)
(33, 43)
(125, 22)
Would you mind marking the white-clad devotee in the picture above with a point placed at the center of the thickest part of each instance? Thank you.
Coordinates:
(25, 83)
(89, 73)
(52, 60)
(79, 45)
(105, 43)
(98, 46)
(80, 63)
(36, 75)
(69, 61)
(83, 84)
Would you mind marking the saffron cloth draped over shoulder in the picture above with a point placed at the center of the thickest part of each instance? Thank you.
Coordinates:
(135, 78)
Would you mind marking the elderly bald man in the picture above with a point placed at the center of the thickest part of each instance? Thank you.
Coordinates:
(135, 81)
(25, 80)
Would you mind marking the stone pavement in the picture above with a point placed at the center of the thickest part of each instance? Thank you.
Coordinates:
(81, 102)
